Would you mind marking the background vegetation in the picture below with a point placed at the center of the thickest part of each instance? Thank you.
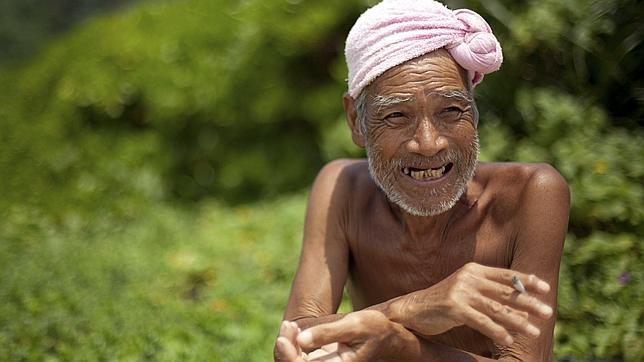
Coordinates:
(135, 148)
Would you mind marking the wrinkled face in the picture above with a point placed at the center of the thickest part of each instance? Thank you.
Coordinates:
(421, 138)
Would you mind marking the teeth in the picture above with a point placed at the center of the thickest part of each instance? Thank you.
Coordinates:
(425, 174)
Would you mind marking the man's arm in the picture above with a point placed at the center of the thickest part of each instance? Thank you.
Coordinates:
(364, 336)
(542, 226)
(322, 271)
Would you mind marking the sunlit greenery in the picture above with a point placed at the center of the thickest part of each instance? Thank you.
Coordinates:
(176, 284)
(155, 162)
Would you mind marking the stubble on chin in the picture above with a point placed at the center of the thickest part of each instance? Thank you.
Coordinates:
(385, 175)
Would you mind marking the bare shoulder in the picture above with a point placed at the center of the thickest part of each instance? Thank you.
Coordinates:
(543, 178)
(521, 193)
(520, 179)
(333, 196)
(545, 192)
(348, 167)
(511, 186)
(343, 176)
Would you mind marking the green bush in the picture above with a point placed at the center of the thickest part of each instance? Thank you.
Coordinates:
(234, 94)
(203, 285)
(116, 123)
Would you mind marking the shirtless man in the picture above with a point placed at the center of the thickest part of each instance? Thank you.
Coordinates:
(429, 242)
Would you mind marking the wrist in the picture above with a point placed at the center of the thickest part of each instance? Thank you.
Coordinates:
(396, 311)
(405, 345)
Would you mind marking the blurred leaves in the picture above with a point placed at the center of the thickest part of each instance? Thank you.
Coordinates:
(207, 284)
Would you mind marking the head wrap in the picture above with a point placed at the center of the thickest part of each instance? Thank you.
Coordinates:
(395, 31)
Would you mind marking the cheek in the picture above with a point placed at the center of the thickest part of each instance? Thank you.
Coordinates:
(463, 139)
(385, 140)
(375, 131)
(464, 131)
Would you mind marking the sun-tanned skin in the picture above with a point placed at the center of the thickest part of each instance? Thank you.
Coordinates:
(430, 288)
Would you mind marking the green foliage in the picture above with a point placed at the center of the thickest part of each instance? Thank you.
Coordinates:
(207, 284)
(113, 123)
(232, 90)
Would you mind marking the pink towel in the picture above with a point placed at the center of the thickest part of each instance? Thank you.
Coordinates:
(395, 31)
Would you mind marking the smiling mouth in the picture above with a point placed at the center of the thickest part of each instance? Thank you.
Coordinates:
(427, 174)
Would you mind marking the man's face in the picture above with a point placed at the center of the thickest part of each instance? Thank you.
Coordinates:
(421, 138)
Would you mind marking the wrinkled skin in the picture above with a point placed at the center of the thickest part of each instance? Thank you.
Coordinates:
(428, 262)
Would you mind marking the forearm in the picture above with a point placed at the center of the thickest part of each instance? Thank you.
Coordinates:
(389, 309)
(422, 350)
(394, 310)
(308, 322)
(378, 339)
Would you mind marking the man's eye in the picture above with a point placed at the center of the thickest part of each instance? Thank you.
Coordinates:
(451, 112)
(394, 115)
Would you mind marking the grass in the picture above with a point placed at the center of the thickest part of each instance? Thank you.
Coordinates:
(174, 284)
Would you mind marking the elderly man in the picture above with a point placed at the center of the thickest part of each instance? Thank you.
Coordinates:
(444, 258)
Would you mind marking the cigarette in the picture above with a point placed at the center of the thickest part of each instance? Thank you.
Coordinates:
(516, 282)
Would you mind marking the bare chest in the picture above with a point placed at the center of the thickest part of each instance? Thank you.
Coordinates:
(386, 263)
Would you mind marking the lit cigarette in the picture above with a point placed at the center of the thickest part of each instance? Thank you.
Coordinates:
(516, 282)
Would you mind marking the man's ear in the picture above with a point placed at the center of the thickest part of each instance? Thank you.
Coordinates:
(352, 120)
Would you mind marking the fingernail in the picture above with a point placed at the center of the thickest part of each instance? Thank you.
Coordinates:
(534, 331)
(509, 340)
(543, 286)
(281, 341)
(305, 338)
(546, 310)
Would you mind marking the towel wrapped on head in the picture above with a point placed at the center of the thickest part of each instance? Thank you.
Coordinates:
(395, 31)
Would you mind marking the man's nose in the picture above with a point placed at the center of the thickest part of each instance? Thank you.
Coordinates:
(427, 140)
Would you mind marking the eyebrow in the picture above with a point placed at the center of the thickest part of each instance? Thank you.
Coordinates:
(381, 101)
(455, 93)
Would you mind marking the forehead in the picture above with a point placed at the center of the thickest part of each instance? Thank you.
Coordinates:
(435, 71)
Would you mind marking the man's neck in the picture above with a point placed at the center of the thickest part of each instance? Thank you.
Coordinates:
(427, 229)
(431, 230)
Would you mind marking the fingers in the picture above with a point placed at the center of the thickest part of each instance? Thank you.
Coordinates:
(289, 331)
(509, 296)
(484, 324)
(496, 283)
(353, 328)
(292, 331)
(507, 317)
(334, 352)
(287, 351)
(323, 334)
(494, 307)
(326, 350)
(504, 276)
(324, 355)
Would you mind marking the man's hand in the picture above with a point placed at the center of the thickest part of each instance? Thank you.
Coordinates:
(287, 348)
(477, 296)
(359, 336)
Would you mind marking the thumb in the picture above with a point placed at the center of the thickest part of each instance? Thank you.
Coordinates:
(327, 333)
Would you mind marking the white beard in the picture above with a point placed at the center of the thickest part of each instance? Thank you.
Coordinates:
(384, 174)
